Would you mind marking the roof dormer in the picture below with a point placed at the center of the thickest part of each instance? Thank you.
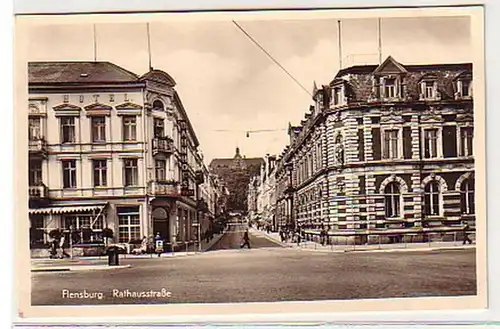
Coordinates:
(428, 85)
(462, 85)
(388, 81)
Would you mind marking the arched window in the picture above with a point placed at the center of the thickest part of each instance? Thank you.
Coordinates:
(392, 200)
(431, 199)
(467, 197)
(158, 105)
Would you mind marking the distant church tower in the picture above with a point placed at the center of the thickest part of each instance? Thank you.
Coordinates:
(238, 159)
(237, 155)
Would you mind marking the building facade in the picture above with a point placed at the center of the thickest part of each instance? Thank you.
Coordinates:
(109, 148)
(262, 194)
(384, 148)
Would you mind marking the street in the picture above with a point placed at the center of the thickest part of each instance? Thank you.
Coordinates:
(267, 272)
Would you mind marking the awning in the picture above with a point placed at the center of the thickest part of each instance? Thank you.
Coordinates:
(66, 209)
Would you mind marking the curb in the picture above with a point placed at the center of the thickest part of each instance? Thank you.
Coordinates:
(79, 268)
(387, 250)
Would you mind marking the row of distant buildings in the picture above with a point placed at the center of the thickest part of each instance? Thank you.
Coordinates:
(111, 149)
(384, 148)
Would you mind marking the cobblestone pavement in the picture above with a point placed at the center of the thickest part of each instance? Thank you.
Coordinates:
(267, 272)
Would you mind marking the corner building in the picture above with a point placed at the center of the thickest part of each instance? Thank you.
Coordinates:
(109, 148)
(386, 148)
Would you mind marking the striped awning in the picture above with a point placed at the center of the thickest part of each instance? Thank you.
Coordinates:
(66, 209)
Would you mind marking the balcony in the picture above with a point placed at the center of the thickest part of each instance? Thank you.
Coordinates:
(38, 192)
(163, 145)
(164, 188)
(38, 147)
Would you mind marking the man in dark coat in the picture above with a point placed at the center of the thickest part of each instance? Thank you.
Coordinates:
(466, 235)
(246, 240)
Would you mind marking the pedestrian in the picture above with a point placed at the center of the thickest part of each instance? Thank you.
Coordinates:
(144, 245)
(246, 240)
(61, 245)
(323, 236)
(466, 235)
(297, 236)
(158, 244)
(53, 248)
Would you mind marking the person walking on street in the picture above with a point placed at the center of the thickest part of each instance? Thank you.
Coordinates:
(61, 246)
(323, 236)
(466, 235)
(246, 240)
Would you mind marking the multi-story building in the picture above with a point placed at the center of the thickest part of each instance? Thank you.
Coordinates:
(109, 148)
(386, 147)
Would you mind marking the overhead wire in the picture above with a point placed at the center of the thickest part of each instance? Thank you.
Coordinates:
(271, 57)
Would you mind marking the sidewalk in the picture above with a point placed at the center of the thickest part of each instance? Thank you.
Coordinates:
(88, 263)
(393, 247)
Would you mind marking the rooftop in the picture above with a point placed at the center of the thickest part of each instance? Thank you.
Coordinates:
(78, 72)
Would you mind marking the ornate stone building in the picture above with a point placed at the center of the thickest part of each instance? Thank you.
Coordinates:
(385, 148)
(109, 148)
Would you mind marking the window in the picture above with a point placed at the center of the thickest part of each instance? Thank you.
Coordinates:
(336, 95)
(467, 203)
(465, 86)
(159, 127)
(430, 143)
(68, 130)
(392, 200)
(390, 88)
(129, 224)
(69, 173)
(100, 173)
(99, 129)
(158, 105)
(466, 141)
(391, 144)
(35, 172)
(431, 199)
(77, 221)
(429, 89)
(34, 129)
(131, 173)
(129, 128)
(160, 166)
(83, 221)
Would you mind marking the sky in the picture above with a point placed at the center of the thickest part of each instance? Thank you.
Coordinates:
(229, 86)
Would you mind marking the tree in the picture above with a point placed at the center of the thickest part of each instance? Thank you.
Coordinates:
(55, 234)
(107, 233)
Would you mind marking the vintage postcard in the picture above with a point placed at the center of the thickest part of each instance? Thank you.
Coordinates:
(250, 162)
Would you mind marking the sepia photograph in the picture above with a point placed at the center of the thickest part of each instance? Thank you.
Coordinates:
(299, 157)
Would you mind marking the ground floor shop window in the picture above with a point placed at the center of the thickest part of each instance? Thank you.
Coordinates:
(37, 230)
(83, 228)
(129, 224)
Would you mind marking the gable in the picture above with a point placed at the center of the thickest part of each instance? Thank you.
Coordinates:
(390, 66)
(129, 106)
(97, 106)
